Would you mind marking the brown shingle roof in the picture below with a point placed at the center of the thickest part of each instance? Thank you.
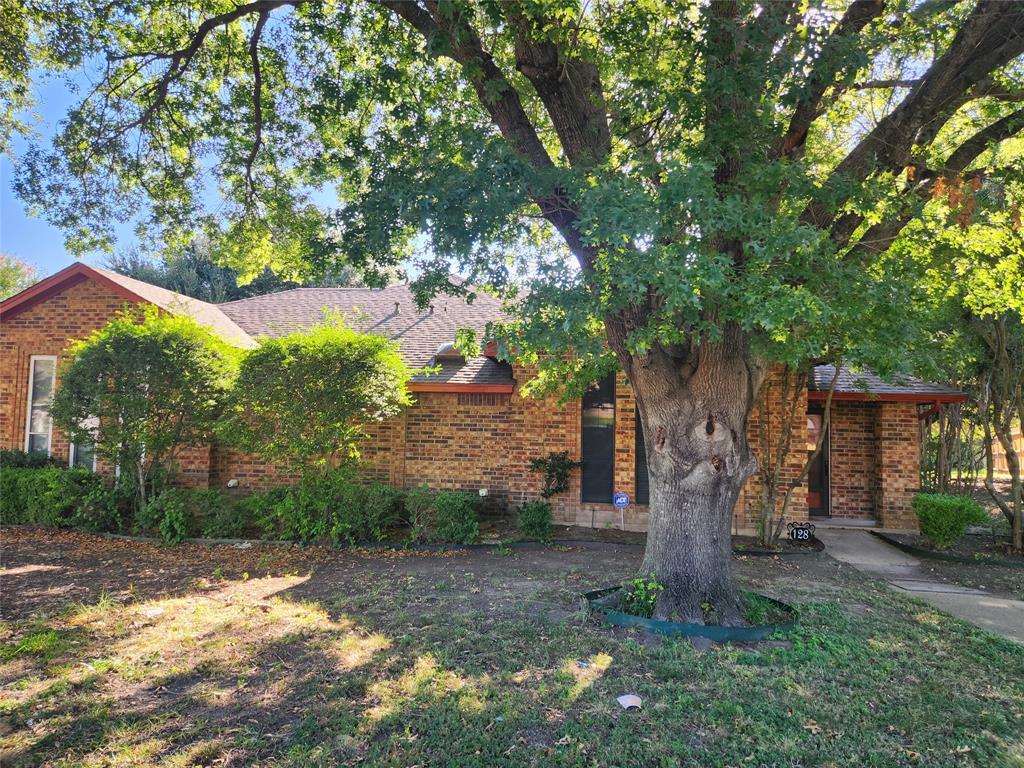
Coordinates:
(389, 311)
(870, 385)
(202, 312)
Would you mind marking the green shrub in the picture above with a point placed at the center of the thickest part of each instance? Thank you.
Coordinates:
(95, 507)
(380, 511)
(641, 596)
(14, 459)
(943, 519)
(170, 512)
(325, 503)
(419, 512)
(556, 468)
(57, 497)
(535, 520)
(260, 509)
(229, 521)
(456, 518)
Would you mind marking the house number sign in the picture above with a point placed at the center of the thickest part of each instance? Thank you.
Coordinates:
(801, 533)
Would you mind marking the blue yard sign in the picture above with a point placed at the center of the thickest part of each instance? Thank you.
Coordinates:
(620, 500)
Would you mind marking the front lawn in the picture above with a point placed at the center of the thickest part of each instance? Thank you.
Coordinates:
(116, 653)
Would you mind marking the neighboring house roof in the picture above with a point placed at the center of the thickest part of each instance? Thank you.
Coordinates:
(865, 385)
(390, 311)
(132, 290)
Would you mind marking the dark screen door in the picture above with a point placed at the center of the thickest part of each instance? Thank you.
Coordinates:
(817, 477)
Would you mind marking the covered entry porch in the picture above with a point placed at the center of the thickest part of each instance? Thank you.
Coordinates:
(868, 469)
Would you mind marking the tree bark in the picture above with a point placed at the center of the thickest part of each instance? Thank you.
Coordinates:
(694, 410)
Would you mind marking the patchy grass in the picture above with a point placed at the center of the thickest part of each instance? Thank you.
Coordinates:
(371, 661)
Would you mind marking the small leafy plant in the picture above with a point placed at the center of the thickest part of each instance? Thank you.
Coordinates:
(535, 520)
(170, 512)
(641, 596)
(944, 518)
(456, 516)
(556, 468)
(419, 512)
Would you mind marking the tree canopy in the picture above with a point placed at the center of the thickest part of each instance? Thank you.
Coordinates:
(196, 273)
(704, 162)
(15, 275)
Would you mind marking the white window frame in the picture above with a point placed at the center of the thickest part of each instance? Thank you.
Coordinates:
(71, 457)
(28, 402)
(72, 446)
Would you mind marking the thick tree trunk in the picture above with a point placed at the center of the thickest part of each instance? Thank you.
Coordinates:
(694, 411)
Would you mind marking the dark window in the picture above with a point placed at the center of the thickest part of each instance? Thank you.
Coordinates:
(642, 481)
(598, 441)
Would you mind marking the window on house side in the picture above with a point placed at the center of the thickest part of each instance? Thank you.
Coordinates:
(83, 454)
(38, 426)
(598, 441)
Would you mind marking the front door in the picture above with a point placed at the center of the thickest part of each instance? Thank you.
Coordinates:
(817, 477)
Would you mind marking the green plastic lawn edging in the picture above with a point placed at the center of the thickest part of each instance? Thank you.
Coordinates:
(599, 601)
(930, 554)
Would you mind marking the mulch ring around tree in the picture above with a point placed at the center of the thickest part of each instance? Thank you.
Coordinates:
(768, 618)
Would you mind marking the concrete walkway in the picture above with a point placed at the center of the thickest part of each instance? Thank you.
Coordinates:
(873, 556)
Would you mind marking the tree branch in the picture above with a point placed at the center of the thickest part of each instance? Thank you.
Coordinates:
(991, 36)
(182, 57)
(829, 64)
(569, 87)
(895, 83)
(880, 236)
(257, 106)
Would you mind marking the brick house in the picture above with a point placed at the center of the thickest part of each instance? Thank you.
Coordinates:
(469, 428)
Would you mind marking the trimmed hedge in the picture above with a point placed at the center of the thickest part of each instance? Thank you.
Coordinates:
(57, 497)
(456, 518)
(944, 519)
(327, 503)
(535, 520)
(13, 459)
(324, 504)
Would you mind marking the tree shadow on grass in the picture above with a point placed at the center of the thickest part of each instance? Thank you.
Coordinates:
(458, 661)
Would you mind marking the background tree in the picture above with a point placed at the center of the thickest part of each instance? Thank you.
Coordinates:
(688, 187)
(195, 272)
(141, 389)
(15, 275)
(973, 283)
(307, 397)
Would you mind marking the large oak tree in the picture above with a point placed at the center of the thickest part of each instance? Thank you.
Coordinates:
(692, 190)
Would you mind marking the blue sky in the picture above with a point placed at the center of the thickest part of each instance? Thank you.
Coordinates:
(26, 237)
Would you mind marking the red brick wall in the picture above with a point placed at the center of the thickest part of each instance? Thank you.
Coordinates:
(763, 432)
(898, 463)
(46, 329)
(854, 459)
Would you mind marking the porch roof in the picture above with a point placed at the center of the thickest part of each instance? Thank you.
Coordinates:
(867, 385)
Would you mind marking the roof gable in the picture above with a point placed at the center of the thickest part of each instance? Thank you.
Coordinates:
(131, 290)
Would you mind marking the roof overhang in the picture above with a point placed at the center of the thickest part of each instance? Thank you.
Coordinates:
(61, 281)
(440, 386)
(890, 397)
